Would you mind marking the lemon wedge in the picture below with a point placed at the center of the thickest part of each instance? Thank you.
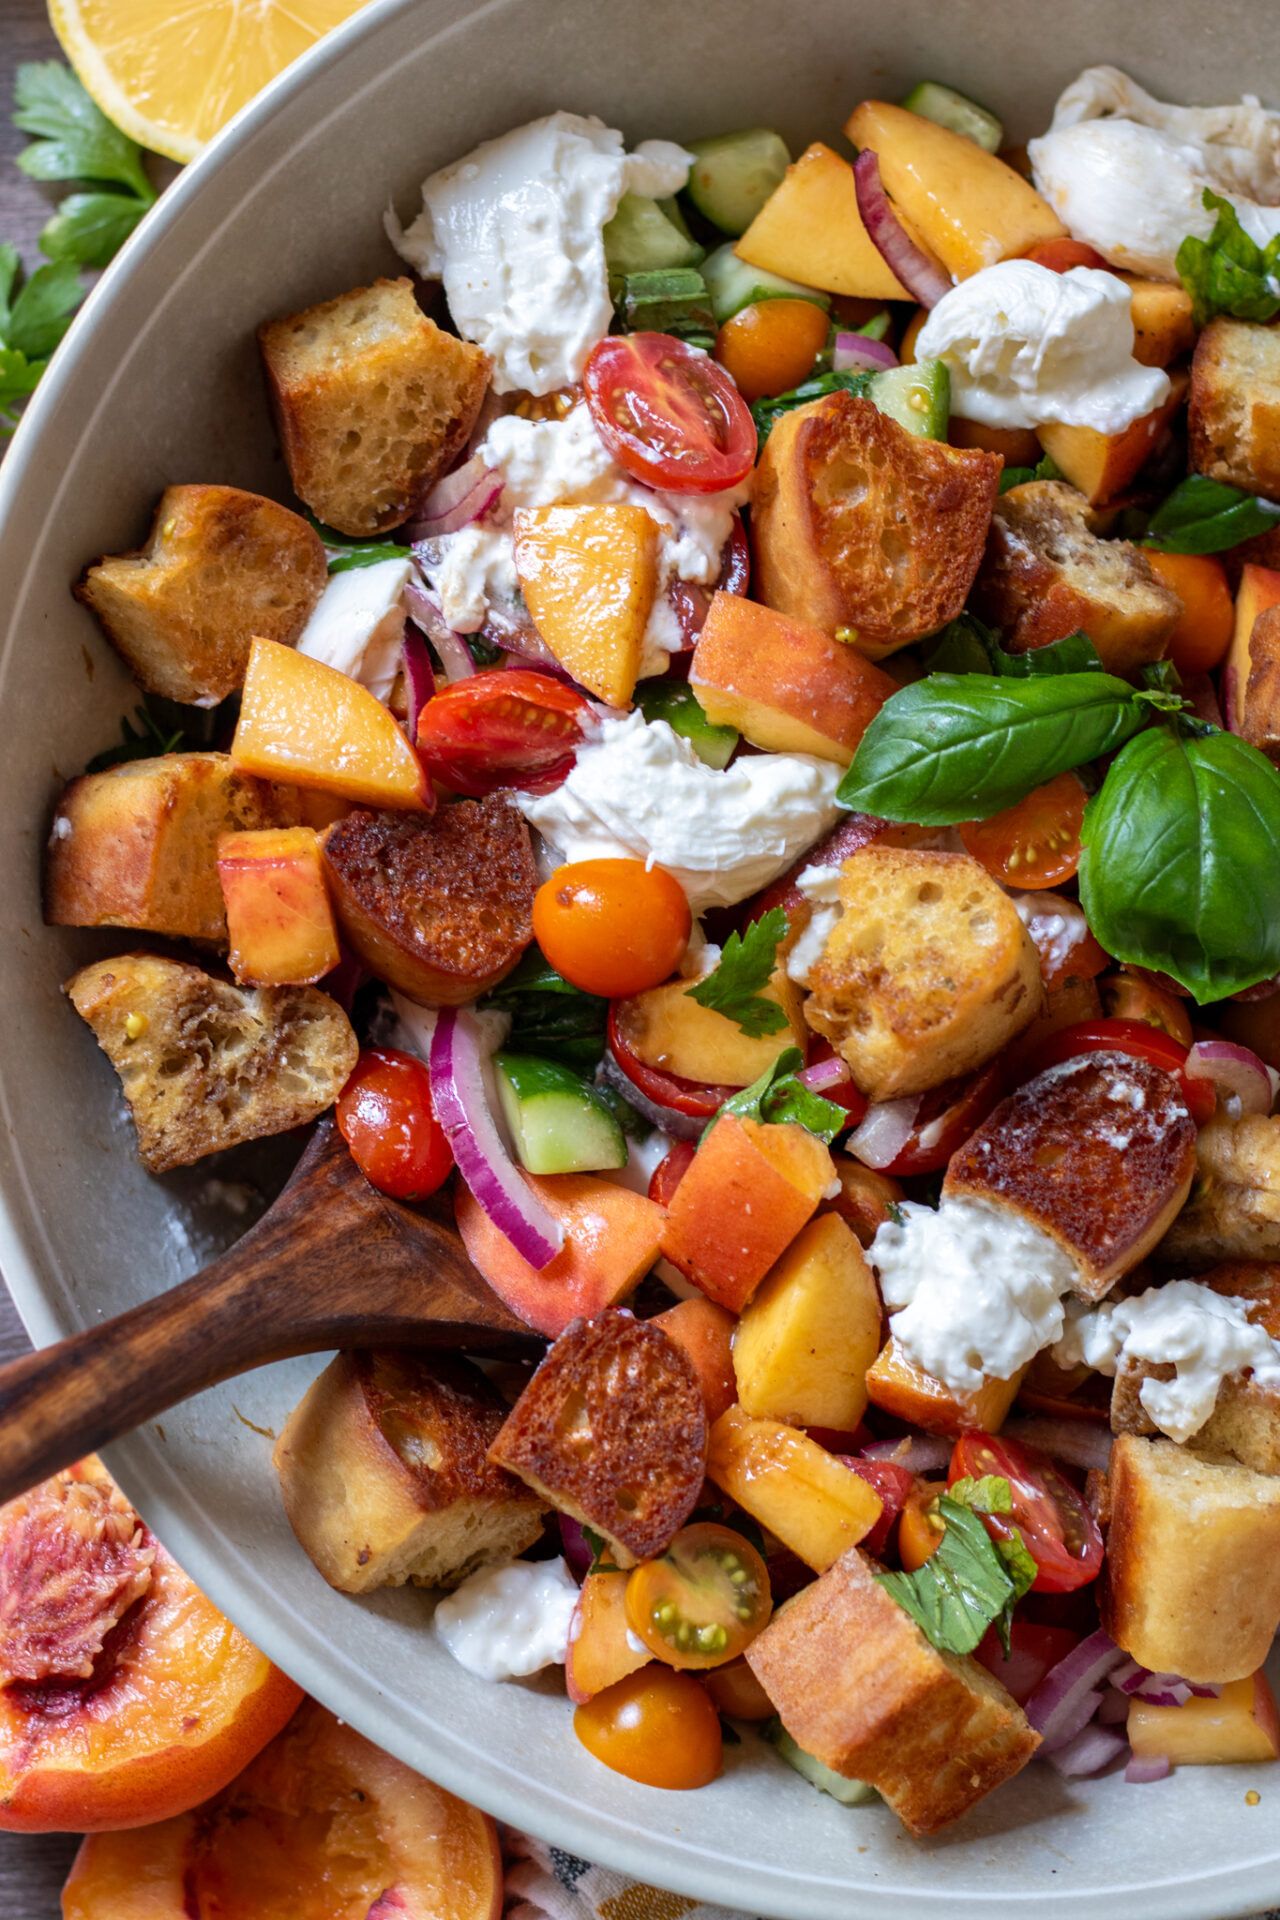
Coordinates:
(170, 73)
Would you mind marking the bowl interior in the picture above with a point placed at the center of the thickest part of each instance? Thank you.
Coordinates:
(159, 382)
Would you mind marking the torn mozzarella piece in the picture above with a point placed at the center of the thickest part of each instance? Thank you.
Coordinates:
(509, 1620)
(357, 624)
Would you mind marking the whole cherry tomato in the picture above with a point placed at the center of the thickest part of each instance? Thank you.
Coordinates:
(612, 927)
(656, 1726)
(1203, 633)
(385, 1115)
(1134, 1037)
(703, 1600)
(668, 414)
(771, 345)
(502, 729)
(1056, 1526)
(1035, 843)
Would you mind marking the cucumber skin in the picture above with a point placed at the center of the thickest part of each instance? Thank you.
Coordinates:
(733, 175)
(733, 285)
(641, 239)
(546, 1106)
(889, 389)
(675, 702)
(848, 1793)
(957, 112)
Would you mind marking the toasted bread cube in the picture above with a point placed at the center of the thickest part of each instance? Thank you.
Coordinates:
(1234, 1210)
(221, 566)
(858, 1685)
(205, 1065)
(1098, 1153)
(898, 1385)
(1233, 417)
(612, 1430)
(809, 1333)
(806, 1496)
(927, 973)
(1256, 697)
(385, 1477)
(872, 533)
(1192, 1577)
(137, 846)
(373, 403)
(1044, 574)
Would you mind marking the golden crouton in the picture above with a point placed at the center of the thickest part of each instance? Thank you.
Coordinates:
(384, 1476)
(1191, 1582)
(373, 403)
(612, 1429)
(221, 567)
(1045, 574)
(863, 529)
(927, 973)
(137, 846)
(1257, 718)
(1098, 1153)
(204, 1065)
(1234, 1209)
(858, 1685)
(1233, 417)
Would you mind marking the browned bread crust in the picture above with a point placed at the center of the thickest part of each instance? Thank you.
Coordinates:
(1259, 718)
(858, 524)
(858, 1685)
(1234, 1209)
(439, 906)
(221, 568)
(373, 402)
(1233, 415)
(1098, 1153)
(1045, 574)
(385, 1477)
(612, 1429)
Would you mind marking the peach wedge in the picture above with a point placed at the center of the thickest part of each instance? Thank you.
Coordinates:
(279, 920)
(589, 576)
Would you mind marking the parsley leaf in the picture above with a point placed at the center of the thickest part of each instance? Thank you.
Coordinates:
(41, 313)
(74, 138)
(1229, 272)
(777, 1096)
(745, 966)
(18, 378)
(962, 1588)
(89, 229)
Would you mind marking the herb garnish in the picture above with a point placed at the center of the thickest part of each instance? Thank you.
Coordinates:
(778, 1096)
(1204, 516)
(964, 1587)
(1229, 272)
(746, 964)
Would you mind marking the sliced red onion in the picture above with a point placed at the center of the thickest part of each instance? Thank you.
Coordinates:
(884, 1131)
(455, 655)
(855, 353)
(1067, 1697)
(1241, 1079)
(825, 1075)
(574, 1540)
(454, 502)
(1081, 1443)
(342, 982)
(459, 1066)
(918, 1452)
(1115, 1706)
(1092, 1749)
(1161, 1689)
(681, 1126)
(1155, 1766)
(419, 679)
(923, 280)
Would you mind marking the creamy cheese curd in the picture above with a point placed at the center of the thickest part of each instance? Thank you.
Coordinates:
(357, 625)
(639, 791)
(974, 1291)
(516, 232)
(1203, 1334)
(509, 1620)
(1126, 173)
(821, 887)
(1025, 346)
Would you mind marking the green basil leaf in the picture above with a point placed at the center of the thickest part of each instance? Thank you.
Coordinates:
(551, 1017)
(366, 556)
(1204, 516)
(745, 966)
(1046, 468)
(777, 1096)
(968, 645)
(765, 412)
(1180, 869)
(991, 1494)
(960, 747)
(89, 229)
(1228, 272)
(75, 139)
(963, 646)
(962, 1588)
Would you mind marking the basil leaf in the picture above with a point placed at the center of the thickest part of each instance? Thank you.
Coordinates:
(961, 1589)
(366, 556)
(1046, 468)
(963, 646)
(967, 645)
(765, 412)
(1180, 869)
(1204, 516)
(551, 1017)
(964, 746)
(1228, 272)
(991, 1494)
(777, 1096)
(746, 965)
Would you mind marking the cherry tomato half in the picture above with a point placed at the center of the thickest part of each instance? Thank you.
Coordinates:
(1057, 1528)
(502, 729)
(920, 1525)
(612, 927)
(668, 414)
(1200, 640)
(894, 1484)
(1063, 254)
(692, 602)
(1034, 1651)
(655, 1726)
(771, 345)
(945, 1118)
(702, 1601)
(1061, 936)
(1036, 843)
(1127, 997)
(693, 1098)
(1140, 1042)
(670, 1171)
(387, 1119)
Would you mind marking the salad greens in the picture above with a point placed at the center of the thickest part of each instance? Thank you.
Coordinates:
(163, 727)
(1229, 272)
(347, 551)
(549, 1016)
(778, 1096)
(1205, 516)
(746, 965)
(966, 1585)
(1046, 468)
(966, 645)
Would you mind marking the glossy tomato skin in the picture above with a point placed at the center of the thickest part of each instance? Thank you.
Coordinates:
(844, 1094)
(920, 1527)
(386, 1116)
(1057, 1528)
(1063, 254)
(947, 1116)
(691, 1098)
(1140, 1041)
(1034, 1651)
(1036, 843)
(656, 1726)
(894, 1484)
(1127, 997)
(771, 345)
(670, 1171)
(702, 1601)
(503, 728)
(668, 414)
(612, 927)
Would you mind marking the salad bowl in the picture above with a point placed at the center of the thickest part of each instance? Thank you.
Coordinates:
(158, 382)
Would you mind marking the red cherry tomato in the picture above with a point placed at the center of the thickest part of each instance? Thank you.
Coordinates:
(692, 602)
(1033, 1652)
(1061, 255)
(668, 414)
(656, 1726)
(670, 1171)
(387, 1119)
(894, 1484)
(689, 1097)
(946, 1116)
(1035, 843)
(1057, 1528)
(1134, 1037)
(844, 1094)
(502, 729)
(613, 927)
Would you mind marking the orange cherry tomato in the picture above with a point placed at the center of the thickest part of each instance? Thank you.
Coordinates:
(1037, 842)
(656, 1726)
(920, 1527)
(702, 1601)
(612, 927)
(1126, 997)
(385, 1115)
(770, 346)
(669, 415)
(1203, 634)
(1061, 255)
(735, 1690)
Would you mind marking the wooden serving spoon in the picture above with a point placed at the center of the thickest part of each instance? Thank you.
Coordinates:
(332, 1263)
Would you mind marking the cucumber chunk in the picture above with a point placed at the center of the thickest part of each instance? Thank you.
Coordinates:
(675, 702)
(947, 108)
(734, 285)
(640, 238)
(558, 1123)
(918, 397)
(850, 1793)
(733, 175)
(667, 300)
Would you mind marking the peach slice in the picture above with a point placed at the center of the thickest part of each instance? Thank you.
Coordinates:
(589, 576)
(900, 1387)
(600, 1652)
(279, 921)
(1259, 589)
(127, 1697)
(321, 1825)
(1242, 1724)
(304, 722)
(1102, 465)
(810, 1332)
(814, 1503)
(705, 1331)
(666, 1028)
(810, 230)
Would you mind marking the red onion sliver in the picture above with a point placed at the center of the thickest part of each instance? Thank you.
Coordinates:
(419, 680)
(919, 1452)
(884, 1131)
(1092, 1749)
(923, 280)
(1081, 1443)
(1140, 1771)
(455, 655)
(825, 1075)
(1240, 1077)
(1056, 1706)
(855, 353)
(454, 502)
(574, 1540)
(1114, 1708)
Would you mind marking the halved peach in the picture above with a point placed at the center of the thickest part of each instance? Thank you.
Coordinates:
(127, 1697)
(600, 1649)
(279, 921)
(321, 1826)
(899, 1386)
